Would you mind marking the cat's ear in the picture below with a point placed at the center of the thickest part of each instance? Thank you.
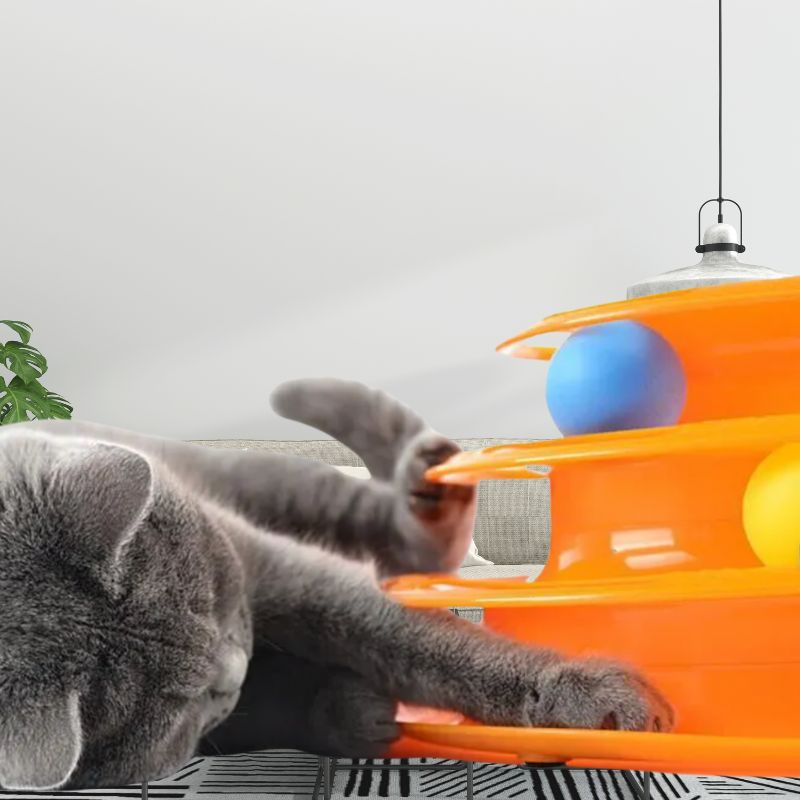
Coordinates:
(101, 492)
(40, 746)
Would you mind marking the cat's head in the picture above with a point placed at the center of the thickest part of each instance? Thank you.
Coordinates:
(112, 587)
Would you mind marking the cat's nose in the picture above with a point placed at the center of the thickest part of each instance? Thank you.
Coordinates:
(231, 669)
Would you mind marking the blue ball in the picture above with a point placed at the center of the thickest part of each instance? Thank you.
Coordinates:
(615, 376)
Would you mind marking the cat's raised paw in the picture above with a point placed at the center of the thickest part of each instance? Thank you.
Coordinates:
(445, 511)
(428, 499)
(598, 694)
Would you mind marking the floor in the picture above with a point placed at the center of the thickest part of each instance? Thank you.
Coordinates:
(290, 775)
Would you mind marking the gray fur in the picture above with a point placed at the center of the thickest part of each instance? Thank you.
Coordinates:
(40, 748)
(140, 574)
(368, 421)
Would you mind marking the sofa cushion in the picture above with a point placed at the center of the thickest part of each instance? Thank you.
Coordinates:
(529, 571)
(513, 521)
(473, 614)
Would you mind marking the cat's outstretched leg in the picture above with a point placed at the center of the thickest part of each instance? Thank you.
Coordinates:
(325, 609)
(398, 519)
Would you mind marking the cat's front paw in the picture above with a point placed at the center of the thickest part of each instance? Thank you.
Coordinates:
(598, 694)
(444, 512)
(350, 719)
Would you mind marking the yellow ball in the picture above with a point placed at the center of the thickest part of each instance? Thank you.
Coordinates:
(771, 508)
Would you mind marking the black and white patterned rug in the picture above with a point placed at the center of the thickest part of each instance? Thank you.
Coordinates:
(289, 775)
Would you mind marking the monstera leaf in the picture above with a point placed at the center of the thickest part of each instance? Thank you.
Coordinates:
(22, 329)
(20, 357)
(55, 405)
(23, 398)
(21, 401)
(23, 360)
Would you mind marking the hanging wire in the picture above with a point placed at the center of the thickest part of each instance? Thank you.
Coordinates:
(719, 98)
(719, 199)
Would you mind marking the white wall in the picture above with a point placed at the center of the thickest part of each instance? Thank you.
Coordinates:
(199, 199)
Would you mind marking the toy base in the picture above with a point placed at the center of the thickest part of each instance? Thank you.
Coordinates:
(722, 645)
(641, 752)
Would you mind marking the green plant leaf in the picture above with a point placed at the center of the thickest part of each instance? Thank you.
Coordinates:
(56, 407)
(21, 402)
(24, 361)
(22, 329)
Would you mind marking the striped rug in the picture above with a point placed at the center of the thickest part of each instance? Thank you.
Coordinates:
(289, 775)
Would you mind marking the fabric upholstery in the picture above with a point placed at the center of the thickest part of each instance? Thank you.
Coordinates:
(529, 571)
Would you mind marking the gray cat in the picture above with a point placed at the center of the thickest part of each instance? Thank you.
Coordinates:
(140, 577)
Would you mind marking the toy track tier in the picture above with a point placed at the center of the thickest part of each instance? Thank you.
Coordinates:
(449, 591)
(722, 645)
(643, 752)
(753, 435)
(644, 501)
(739, 343)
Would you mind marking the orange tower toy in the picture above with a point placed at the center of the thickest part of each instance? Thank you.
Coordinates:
(649, 561)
